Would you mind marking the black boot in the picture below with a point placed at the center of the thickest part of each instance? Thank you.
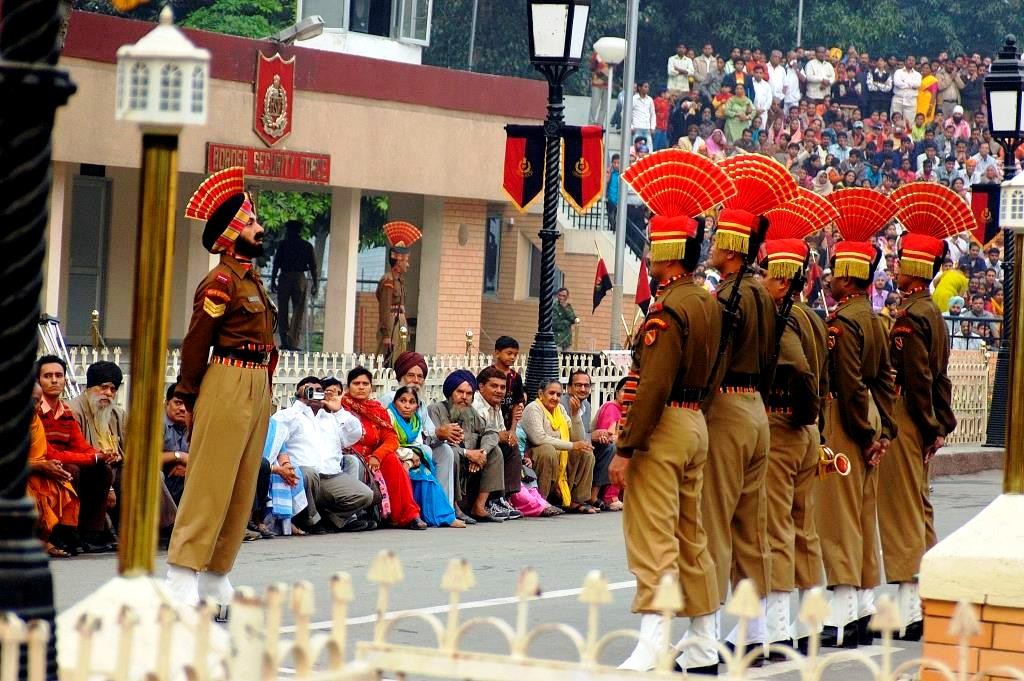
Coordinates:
(865, 635)
(913, 632)
(758, 660)
(709, 670)
(801, 645)
(830, 637)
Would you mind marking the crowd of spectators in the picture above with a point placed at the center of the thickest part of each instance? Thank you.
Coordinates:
(339, 458)
(835, 120)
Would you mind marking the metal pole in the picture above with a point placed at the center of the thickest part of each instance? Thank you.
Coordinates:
(472, 35)
(628, 73)
(608, 117)
(28, 75)
(799, 22)
(543, 362)
(154, 254)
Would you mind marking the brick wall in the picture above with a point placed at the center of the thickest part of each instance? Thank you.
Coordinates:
(1000, 641)
(461, 273)
(512, 314)
(366, 322)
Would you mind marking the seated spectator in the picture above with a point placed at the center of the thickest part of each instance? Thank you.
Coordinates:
(974, 262)
(91, 474)
(978, 311)
(435, 508)
(559, 452)
(488, 402)
(608, 417)
(378, 451)
(966, 339)
(49, 485)
(311, 435)
(956, 307)
(103, 424)
(174, 459)
(411, 370)
(480, 470)
(577, 401)
(283, 491)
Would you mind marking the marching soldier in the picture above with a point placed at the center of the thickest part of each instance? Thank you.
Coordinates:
(663, 446)
(858, 420)
(392, 326)
(230, 392)
(919, 344)
(794, 402)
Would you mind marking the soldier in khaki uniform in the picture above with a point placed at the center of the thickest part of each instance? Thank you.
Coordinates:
(735, 500)
(919, 344)
(793, 403)
(392, 326)
(858, 420)
(662, 448)
(230, 391)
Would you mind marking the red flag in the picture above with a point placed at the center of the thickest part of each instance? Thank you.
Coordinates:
(985, 206)
(524, 164)
(582, 165)
(602, 282)
(643, 286)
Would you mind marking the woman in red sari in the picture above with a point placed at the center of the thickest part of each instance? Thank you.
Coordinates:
(378, 448)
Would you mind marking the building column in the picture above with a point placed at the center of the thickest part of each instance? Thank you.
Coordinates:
(53, 278)
(192, 261)
(342, 265)
(431, 251)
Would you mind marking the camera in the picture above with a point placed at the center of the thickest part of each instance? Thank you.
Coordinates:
(314, 394)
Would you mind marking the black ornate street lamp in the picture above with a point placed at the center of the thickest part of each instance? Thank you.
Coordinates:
(557, 32)
(1004, 89)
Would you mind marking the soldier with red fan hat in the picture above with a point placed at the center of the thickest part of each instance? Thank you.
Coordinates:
(794, 401)
(735, 502)
(859, 420)
(663, 446)
(919, 344)
(392, 326)
(230, 391)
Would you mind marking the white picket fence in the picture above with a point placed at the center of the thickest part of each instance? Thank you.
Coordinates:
(968, 371)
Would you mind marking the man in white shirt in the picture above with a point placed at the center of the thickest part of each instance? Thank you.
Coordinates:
(680, 68)
(312, 433)
(643, 119)
(763, 97)
(777, 76)
(791, 84)
(905, 84)
(819, 75)
(984, 159)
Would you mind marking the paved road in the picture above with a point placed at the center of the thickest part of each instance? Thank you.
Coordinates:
(563, 550)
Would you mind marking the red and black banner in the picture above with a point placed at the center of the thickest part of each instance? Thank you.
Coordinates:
(602, 283)
(643, 287)
(985, 206)
(582, 165)
(524, 164)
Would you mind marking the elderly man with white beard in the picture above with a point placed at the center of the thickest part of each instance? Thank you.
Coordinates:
(103, 424)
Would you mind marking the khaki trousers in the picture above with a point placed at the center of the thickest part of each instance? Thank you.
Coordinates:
(579, 472)
(662, 517)
(846, 510)
(902, 494)
(228, 431)
(735, 502)
(791, 481)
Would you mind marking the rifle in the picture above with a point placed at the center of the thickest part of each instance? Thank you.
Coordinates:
(781, 319)
(730, 314)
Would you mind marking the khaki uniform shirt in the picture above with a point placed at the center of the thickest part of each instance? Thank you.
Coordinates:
(920, 353)
(391, 309)
(753, 337)
(860, 370)
(231, 311)
(801, 378)
(673, 357)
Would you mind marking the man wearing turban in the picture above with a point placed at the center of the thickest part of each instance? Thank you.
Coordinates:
(479, 468)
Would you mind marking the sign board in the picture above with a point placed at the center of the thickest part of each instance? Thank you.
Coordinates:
(271, 164)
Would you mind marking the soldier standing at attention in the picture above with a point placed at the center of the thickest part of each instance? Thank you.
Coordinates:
(294, 257)
(392, 326)
(793, 401)
(663, 443)
(919, 343)
(230, 391)
(858, 420)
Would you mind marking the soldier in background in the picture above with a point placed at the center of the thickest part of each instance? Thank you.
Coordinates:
(392, 326)
(294, 257)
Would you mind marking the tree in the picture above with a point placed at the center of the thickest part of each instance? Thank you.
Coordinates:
(248, 18)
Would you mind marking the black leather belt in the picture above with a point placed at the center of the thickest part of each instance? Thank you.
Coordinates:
(688, 395)
(741, 381)
(240, 355)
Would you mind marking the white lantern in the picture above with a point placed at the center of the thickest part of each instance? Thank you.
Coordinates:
(1011, 204)
(557, 30)
(163, 80)
(611, 50)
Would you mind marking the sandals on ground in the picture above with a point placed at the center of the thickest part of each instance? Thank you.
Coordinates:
(56, 551)
(613, 505)
(584, 509)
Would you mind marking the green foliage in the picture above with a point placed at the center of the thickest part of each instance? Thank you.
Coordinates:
(312, 209)
(373, 213)
(248, 18)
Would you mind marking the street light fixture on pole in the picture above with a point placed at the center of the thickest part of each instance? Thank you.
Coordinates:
(1004, 88)
(558, 29)
(611, 51)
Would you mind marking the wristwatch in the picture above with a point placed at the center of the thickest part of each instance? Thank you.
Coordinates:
(177, 456)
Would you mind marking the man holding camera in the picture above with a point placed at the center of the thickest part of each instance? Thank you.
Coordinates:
(310, 435)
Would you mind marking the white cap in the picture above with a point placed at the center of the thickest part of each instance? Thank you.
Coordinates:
(958, 109)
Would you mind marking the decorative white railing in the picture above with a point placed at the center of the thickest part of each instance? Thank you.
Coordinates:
(968, 371)
(258, 650)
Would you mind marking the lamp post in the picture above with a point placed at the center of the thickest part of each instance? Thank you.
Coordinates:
(1004, 88)
(558, 30)
(611, 51)
(33, 88)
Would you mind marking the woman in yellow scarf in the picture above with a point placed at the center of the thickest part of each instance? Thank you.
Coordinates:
(559, 451)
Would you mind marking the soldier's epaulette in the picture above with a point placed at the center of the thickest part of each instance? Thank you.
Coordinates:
(222, 278)
(902, 330)
(388, 283)
(655, 308)
(656, 323)
(900, 314)
(834, 330)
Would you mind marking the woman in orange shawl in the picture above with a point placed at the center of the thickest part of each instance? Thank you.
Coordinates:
(50, 486)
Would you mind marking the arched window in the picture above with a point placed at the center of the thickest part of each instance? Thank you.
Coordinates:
(138, 93)
(170, 88)
(198, 82)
